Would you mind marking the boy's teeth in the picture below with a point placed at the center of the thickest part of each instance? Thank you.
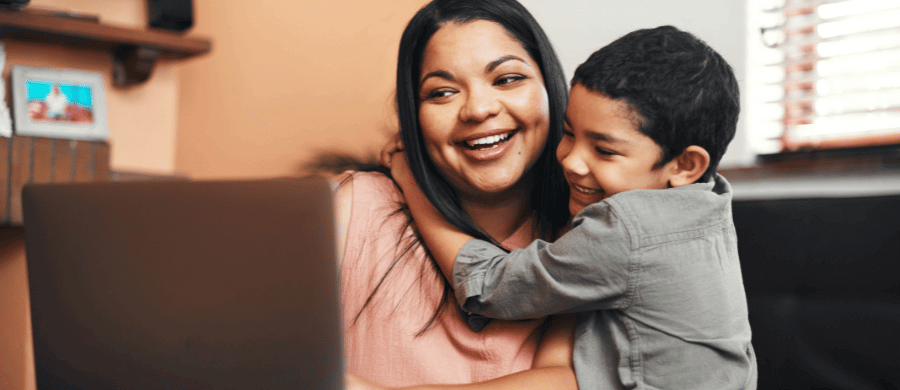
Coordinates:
(585, 190)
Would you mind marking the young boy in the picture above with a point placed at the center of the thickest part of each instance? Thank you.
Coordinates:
(650, 262)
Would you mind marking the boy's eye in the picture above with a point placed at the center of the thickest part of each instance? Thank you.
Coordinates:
(508, 79)
(604, 152)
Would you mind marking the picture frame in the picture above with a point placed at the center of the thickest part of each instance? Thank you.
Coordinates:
(58, 103)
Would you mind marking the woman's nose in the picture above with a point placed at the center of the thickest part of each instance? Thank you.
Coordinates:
(479, 106)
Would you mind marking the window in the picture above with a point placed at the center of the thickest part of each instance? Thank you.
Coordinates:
(824, 74)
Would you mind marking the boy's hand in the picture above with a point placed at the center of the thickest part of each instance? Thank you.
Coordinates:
(356, 383)
(442, 238)
(402, 174)
(393, 145)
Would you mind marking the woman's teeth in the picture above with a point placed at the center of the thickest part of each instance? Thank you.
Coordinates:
(488, 142)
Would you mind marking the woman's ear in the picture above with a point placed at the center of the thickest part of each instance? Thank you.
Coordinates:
(689, 166)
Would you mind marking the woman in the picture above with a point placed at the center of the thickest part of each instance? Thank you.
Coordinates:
(480, 101)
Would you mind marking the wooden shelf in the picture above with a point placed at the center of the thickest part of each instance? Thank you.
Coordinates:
(25, 160)
(134, 50)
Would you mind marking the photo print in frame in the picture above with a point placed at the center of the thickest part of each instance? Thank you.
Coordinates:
(59, 103)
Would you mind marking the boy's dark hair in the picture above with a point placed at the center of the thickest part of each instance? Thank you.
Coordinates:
(682, 91)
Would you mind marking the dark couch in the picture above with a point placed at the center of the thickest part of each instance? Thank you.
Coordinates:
(823, 287)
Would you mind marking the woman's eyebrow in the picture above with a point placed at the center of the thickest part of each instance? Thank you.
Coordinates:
(495, 63)
(489, 68)
(438, 73)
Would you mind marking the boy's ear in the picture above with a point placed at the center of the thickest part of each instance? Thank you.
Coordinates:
(688, 167)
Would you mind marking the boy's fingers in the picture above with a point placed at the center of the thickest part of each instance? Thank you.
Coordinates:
(393, 146)
(384, 159)
(354, 382)
(400, 168)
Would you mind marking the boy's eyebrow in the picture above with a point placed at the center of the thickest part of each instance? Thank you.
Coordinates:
(598, 136)
(495, 63)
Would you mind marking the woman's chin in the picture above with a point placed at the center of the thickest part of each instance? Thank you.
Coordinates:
(492, 184)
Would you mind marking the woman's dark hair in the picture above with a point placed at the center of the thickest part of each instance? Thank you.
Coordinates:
(549, 192)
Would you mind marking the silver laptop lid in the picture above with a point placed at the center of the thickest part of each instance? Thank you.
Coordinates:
(184, 285)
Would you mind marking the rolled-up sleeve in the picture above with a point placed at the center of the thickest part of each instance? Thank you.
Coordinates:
(589, 268)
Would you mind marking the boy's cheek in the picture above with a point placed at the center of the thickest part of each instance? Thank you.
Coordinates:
(562, 150)
(574, 207)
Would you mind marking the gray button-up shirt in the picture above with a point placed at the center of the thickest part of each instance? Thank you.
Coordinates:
(655, 278)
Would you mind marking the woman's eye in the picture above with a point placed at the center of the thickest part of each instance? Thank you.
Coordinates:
(509, 79)
(439, 94)
(567, 133)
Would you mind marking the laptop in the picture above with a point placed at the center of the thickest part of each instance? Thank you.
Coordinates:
(184, 285)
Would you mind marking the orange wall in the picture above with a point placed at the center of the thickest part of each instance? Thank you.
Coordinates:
(16, 358)
(142, 119)
(285, 80)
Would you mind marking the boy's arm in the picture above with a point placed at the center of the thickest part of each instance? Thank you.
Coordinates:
(552, 367)
(443, 239)
(343, 200)
(588, 268)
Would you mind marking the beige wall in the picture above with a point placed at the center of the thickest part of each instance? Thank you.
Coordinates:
(285, 80)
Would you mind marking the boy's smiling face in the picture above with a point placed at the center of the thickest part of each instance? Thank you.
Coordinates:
(603, 153)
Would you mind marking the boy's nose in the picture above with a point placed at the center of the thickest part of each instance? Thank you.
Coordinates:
(573, 163)
(479, 106)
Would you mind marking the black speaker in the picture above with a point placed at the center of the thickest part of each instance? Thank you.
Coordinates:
(13, 4)
(175, 15)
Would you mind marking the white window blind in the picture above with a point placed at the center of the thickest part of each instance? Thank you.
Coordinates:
(828, 74)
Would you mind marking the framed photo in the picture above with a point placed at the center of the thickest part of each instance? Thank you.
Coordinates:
(58, 103)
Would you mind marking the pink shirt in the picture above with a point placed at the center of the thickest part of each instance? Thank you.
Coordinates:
(382, 345)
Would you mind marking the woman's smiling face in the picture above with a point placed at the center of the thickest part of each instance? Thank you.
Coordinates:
(483, 107)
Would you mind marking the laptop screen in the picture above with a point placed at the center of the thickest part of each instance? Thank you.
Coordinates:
(184, 285)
